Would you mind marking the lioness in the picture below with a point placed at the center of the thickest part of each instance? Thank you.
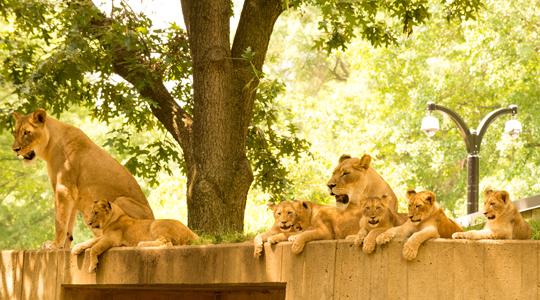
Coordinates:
(79, 171)
(426, 221)
(353, 179)
(377, 217)
(504, 220)
(119, 229)
(289, 217)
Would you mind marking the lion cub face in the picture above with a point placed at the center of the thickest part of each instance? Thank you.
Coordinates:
(284, 215)
(375, 210)
(30, 134)
(349, 176)
(420, 205)
(495, 203)
(101, 210)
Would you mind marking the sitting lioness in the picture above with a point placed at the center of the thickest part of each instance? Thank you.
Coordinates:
(79, 170)
(376, 219)
(426, 221)
(119, 229)
(504, 220)
(353, 180)
(289, 217)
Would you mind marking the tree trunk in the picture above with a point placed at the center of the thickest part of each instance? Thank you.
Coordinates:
(213, 139)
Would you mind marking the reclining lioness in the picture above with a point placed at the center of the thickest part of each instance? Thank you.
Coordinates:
(290, 217)
(119, 229)
(426, 221)
(79, 171)
(504, 220)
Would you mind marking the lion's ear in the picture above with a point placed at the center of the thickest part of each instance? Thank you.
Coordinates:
(365, 161)
(385, 199)
(108, 204)
(16, 115)
(305, 204)
(487, 192)
(431, 197)
(271, 206)
(505, 197)
(411, 194)
(39, 117)
(344, 157)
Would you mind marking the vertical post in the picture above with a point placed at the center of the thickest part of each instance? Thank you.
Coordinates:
(472, 182)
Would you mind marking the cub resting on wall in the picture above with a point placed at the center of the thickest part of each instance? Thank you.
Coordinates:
(377, 217)
(352, 181)
(504, 220)
(289, 217)
(79, 170)
(426, 221)
(119, 229)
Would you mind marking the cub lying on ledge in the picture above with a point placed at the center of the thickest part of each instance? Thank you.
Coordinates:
(289, 217)
(377, 217)
(426, 221)
(119, 229)
(504, 220)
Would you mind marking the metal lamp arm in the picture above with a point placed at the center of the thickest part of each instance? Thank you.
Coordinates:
(463, 128)
(487, 120)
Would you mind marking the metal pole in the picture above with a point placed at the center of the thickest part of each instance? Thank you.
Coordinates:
(473, 140)
(473, 178)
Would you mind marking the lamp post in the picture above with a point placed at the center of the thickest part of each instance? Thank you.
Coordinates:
(473, 140)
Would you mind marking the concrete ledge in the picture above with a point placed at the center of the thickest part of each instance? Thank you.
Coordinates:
(444, 269)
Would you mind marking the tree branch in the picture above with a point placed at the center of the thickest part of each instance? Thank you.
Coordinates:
(254, 31)
(131, 66)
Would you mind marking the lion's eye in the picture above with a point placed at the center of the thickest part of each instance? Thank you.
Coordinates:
(418, 206)
(26, 132)
(289, 213)
(346, 173)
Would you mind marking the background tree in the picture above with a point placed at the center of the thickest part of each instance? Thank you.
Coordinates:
(59, 54)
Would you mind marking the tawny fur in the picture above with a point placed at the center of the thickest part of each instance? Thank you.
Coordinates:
(286, 222)
(119, 229)
(504, 220)
(377, 217)
(426, 221)
(79, 171)
(353, 180)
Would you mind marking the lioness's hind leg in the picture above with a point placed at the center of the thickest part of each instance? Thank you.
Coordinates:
(159, 242)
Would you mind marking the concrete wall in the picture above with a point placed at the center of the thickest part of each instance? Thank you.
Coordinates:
(444, 269)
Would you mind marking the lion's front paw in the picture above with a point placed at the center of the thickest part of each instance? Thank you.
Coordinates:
(258, 251)
(459, 235)
(92, 265)
(369, 246)
(292, 238)
(410, 250)
(78, 249)
(297, 246)
(385, 237)
(271, 240)
(351, 237)
(51, 245)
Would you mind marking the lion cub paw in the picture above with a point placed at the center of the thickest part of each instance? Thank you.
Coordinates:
(385, 237)
(50, 245)
(297, 246)
(459, 235)
(78, 249)
(369, 246)
(410, 251)
(258, 251)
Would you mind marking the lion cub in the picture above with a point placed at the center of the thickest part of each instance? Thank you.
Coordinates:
(504, 220)
(119, 229)
(426, 221)
(377, 217)
(289, 217)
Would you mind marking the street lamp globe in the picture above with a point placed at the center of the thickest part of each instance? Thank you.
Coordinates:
(512, 128)
(430, 125)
